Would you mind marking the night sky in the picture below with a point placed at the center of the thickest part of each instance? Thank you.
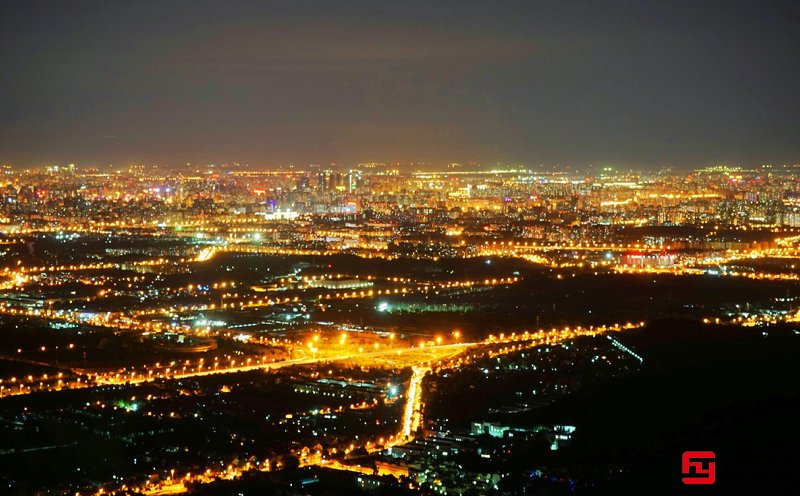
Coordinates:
(639, 84)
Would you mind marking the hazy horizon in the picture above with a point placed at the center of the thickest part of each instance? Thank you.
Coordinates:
(630, 84)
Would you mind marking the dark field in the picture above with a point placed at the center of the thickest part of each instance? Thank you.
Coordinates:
(732, 391)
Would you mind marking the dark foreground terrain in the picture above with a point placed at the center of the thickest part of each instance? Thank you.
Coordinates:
(729, 390)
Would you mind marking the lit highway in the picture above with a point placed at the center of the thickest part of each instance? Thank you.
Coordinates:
(412, 407)
(412, 410)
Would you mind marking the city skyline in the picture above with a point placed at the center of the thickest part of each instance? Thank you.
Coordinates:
(341, 330)
(399, 248)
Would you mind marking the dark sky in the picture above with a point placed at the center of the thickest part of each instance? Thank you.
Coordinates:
(639, 83)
